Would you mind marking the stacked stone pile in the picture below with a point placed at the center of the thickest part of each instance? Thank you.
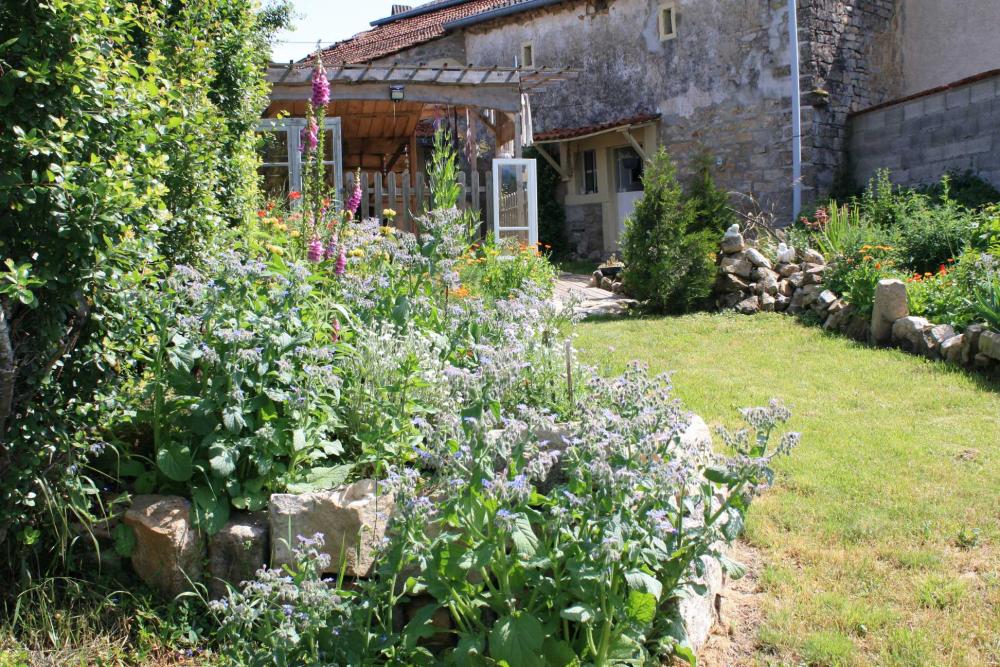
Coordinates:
(749, 282)
(614, 285)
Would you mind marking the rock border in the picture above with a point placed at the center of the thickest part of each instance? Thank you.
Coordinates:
(749, 283)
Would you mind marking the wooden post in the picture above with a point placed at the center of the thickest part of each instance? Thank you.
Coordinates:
(407, 211)
(462, 189)
(392, 195)
(378, 193)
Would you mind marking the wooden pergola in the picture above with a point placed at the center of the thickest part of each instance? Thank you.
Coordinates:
(381, 106)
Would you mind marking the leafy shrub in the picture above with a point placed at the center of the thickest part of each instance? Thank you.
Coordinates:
(965, 188)
(125, 142)
(496, 269)
(551, 214)
(712, 208)
(927, 236)
(987, 296)
(948, 294)
(540, 552)
(669, 261)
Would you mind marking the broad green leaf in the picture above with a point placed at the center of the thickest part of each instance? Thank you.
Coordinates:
(232, 418)
(641, 607)
(321, 479)
(211, 509)
(518, 640)
(558, 653)
(577, 613)
(644, 583)
(222, 459)
(420, 626)
(175, 462)
(524, 538)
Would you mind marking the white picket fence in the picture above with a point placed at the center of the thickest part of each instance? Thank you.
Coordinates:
(411, 197)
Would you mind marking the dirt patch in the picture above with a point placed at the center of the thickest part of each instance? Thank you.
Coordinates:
(733, 639)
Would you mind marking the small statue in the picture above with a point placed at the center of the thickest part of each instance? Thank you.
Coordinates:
(786, 255)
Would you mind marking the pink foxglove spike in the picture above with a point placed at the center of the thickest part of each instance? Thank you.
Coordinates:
(315, 250)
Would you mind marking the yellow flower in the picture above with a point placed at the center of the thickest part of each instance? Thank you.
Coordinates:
(388, 213)
(357, 252)
(275, 249)
(386, 230)
(296, 234)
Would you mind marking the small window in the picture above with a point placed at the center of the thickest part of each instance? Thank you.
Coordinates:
(527, 55)
(588, 184)
(629, 169)
(668, 21)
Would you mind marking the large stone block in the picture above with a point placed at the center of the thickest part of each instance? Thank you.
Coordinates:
(989, 345)
(908, 332)
(237, 551)
(168, 551)
(890, 305)
(352, 520)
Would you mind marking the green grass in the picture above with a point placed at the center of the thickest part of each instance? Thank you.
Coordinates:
(867, 534)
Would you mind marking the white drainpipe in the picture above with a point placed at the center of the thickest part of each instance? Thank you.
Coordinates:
(793, 46)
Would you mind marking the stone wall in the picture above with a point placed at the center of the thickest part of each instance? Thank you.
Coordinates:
(847, 63)
(584, 228)
(920, 139)
(450, 49)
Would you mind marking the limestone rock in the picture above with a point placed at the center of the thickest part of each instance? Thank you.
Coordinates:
(698, 612)
(737, 265)
(767, 302)
(951, 349)
(697, 435)
(826, 299)
(351, 518)
(168, 550)
(785, 270)
(890, 305)
(729, 300)
(797, 279)
(935, 337)
(909, 332)
(607, 284)
(785, 288)
(970, 345)
(757, 258)
(733, 241)
(767, 281)
(989, 345)
(618, 287)
(781, 302)
(813, 257)
(855, 327)
(732, 283)
(237, 551)
(595, 279)
(748, 306)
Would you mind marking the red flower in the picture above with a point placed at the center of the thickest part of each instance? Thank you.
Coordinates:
(294, 195)
(942, 269)
(261, 214)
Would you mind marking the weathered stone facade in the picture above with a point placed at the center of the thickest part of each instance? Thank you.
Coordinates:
(920, 139)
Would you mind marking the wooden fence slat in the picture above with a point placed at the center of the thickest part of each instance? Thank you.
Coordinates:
(378, 195)
(391, 203)
(407, 211)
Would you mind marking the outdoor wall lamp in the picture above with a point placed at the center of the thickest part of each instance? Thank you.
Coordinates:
(396, 93)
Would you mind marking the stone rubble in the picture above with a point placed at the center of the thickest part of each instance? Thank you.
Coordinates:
(749, 283)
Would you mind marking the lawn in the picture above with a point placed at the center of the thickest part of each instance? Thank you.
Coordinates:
(881, 537)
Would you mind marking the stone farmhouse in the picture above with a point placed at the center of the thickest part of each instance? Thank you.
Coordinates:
(910, 85)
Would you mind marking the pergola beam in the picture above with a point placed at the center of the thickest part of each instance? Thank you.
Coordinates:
(552, 161)
(503, 98)
(626, 132)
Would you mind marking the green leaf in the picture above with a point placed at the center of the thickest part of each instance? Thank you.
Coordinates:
(321, 479)
(232, 418)
(222, 459)
(124, 538)
(524, 538)
(420, 626)
(518, 640)
(577, 614)
(211, 509)
(558, 653)
(644, 583)
(175, 462)
(641, 607)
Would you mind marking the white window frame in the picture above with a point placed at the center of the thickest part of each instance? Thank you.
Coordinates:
(293, 127)
(532, 168)
(526, 47)
(667, 32)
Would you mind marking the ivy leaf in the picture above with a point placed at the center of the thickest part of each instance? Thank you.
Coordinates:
(517, 639)
(175, 462)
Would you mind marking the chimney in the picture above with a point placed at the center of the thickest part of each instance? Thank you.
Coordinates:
(399, 9)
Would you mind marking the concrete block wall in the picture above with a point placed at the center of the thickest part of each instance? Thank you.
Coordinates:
(920, 138)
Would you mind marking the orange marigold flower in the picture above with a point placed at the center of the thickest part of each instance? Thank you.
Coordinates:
(878, 265)
(261, 214)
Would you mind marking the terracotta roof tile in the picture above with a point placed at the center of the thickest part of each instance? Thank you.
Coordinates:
(386, 39)
(574, 132)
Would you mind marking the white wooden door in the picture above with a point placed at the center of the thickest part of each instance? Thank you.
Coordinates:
(515, 200)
